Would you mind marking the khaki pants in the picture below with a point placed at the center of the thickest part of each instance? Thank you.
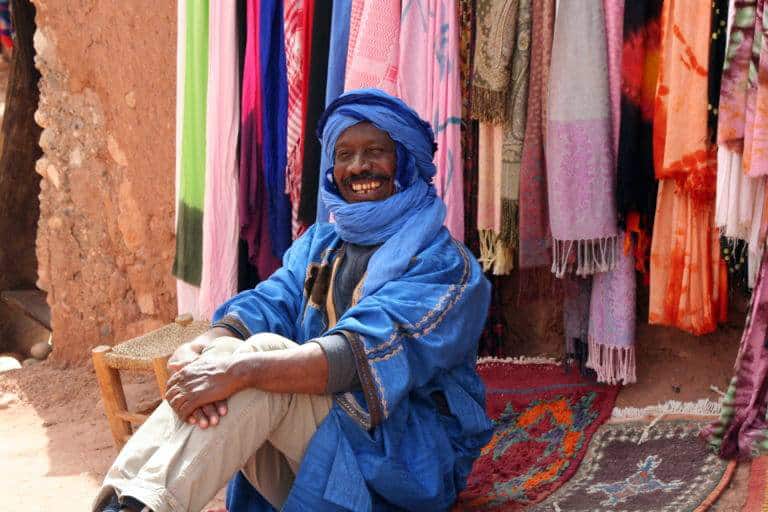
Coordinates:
(172, 466)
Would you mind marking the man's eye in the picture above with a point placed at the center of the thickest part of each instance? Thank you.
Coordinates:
(342, 155)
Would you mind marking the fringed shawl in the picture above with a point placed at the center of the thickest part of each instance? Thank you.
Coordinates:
(580, 165)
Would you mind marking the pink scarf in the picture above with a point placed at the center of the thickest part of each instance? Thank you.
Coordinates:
(755, 156)
(372, 54)
(220, 222)
(429, 81)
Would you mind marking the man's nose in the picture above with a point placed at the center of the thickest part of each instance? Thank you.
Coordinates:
(359, 164)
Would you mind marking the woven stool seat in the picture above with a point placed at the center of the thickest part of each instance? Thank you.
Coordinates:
(146, 353)
(140, 352)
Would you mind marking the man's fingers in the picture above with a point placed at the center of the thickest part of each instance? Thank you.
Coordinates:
(221, 406)
(199, 418)
(211, 413)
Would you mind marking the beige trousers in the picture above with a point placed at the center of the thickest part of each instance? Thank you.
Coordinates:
(172, 466)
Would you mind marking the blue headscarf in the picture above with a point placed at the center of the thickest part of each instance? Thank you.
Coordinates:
(406, 222)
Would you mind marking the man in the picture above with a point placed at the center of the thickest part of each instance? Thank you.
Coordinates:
(349, 375)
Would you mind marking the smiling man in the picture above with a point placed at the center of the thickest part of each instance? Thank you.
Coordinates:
(346, 381)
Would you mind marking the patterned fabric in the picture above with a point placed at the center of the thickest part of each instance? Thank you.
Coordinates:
(220, 223)
(580, 165)
(188, 263)
(636, 185)
(757, 490)
(295, 55)
(543, 420)
(429, 81)
(372, 55)
(665, 468)
(688, 282)
(534, 231)
(755, 156)
(742, 430)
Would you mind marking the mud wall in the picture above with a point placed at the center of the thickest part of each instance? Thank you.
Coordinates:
(107, 107)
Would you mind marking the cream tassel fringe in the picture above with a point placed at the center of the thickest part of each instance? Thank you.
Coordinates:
(703, 407)
(518, 360)
(496, 256)
(614, 365)
(592, 256)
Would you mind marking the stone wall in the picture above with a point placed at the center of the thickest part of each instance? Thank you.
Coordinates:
(105, 241)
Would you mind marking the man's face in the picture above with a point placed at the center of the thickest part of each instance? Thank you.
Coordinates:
(364, 164)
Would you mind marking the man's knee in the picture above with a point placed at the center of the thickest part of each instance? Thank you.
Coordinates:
(264, 342)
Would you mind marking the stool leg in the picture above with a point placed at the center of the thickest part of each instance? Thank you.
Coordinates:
(112, 395)
(160, 365)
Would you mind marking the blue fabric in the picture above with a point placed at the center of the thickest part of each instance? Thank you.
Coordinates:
(337, 52)
(386, 447)
(274, 79)
(406, 222)
(337, 64)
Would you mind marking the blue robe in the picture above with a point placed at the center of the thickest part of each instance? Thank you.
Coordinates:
(386, 447)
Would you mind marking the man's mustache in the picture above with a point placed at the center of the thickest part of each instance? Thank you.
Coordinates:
(365, 176)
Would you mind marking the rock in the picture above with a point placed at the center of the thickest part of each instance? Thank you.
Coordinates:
(7, 399)
(146, 303)
(40, 350)
(116, 152)
(130, 99)
(30, 362)
(8, 363)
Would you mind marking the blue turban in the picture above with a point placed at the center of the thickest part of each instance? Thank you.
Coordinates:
(406, 222)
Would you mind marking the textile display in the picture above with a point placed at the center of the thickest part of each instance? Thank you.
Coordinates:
(667, 469)
(311, 207)
(755, 144)
(220, 223)
(274, 111)
(636, 187)
(296, 52)
(533, 214)
(337, 49)
(543, 418)
(429, 80)
(372, 434)
(6, 30)
(688, 281)
(489, 164)
(581, 176)
(742, 428)
(373, 50)
(187, 265)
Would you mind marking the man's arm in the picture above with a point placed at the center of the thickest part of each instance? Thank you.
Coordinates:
(303, 369)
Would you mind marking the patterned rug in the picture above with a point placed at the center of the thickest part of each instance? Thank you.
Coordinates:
(757, 489)
(639, 467)
(544, 418)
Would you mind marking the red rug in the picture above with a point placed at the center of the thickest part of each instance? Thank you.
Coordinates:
(543, 419)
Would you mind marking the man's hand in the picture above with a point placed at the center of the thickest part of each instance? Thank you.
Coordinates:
(197, 391)
(185, 354)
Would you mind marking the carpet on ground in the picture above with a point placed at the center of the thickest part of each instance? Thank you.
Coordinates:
(544, 417)
(636, 466)
(757, 488)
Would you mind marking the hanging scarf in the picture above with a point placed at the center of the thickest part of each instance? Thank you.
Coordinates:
(429, 81)
(407, 221)
(469, 127)
(755, 157)
(252, 196)
(687, 282)
(534, 231)
(191, 192)
(309, 208)
(220, 223)
(580, 167)
(274, 118)
(337, 51)
(373, 51)
(295, 55)
(489, 163)
(636, 184)
(719, 32)
(496, 39)
(187, 295)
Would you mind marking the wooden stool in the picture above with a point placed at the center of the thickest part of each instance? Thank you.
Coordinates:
(147, 353)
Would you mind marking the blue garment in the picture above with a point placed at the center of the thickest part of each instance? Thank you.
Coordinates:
(413, 331)
(274, 80)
